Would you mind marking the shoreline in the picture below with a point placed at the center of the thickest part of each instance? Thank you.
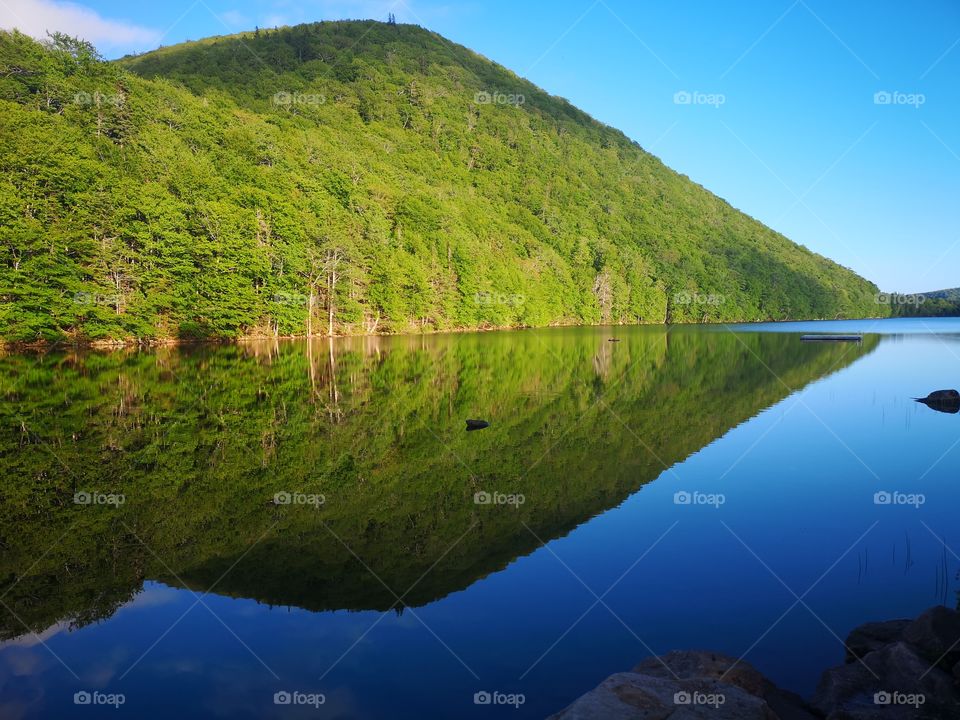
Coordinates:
(147, 343)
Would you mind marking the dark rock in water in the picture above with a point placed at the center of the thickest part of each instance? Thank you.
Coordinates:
(944, 395)
(891, 683)
(873, 636)
(947, 401)
(936, 636)
(896, 657)
(477, 424)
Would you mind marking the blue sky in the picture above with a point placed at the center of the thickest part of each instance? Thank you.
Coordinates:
(772, 105)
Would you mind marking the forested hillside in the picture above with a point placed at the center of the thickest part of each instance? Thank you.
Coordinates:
(352, 177)
(938, 303)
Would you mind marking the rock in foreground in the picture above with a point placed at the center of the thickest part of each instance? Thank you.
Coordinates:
(894, 670)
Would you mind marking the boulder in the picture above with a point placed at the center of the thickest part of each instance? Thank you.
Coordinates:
(632, 696)
(936, 635)
(690, 664)
(723, 668)
(873, 636)
(894, 670)
(890, 683)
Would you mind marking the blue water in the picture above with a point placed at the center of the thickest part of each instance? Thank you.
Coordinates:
(797, 554)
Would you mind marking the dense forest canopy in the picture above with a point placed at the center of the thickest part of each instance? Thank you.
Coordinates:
(353, 177)
(938, 303)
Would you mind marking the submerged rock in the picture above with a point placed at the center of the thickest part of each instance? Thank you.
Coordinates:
(477, 424)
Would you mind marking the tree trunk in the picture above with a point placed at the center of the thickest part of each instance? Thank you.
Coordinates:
(310, 314)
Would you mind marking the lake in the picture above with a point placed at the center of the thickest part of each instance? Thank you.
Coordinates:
(194, 530)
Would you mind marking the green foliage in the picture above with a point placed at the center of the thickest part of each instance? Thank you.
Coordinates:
(188, 192)
(939, 303)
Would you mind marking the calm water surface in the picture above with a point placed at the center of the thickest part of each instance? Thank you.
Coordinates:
(692, 488)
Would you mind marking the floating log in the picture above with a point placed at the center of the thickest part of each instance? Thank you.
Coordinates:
(832, 338)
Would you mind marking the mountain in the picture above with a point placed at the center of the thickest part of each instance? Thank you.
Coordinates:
(354, 176)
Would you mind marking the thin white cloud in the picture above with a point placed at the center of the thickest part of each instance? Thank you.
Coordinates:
(38, 17)
(235, 19)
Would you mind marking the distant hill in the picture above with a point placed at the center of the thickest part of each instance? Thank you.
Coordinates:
(951, 294)
(936, 303)
(359, 177)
